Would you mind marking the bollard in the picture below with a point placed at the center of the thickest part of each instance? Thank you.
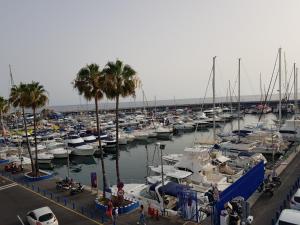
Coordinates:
(277, 215)
(38, 189)
(73, 205)
(51, 195)
(44, 192)
(32, 186)
(82, 210)
(57, 198)
(65, 201)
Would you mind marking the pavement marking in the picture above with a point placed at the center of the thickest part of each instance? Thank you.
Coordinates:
(54, 202)
(7, 186)
(20, 220)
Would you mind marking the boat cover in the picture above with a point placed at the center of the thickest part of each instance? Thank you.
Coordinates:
(171, 188)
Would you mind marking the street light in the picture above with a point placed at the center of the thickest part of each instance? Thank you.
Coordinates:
(162, 147)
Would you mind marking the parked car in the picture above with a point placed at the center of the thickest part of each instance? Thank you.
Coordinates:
(295, 200)
(289, 217)
(42, 216)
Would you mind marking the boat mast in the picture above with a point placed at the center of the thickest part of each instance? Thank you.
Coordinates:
(295, 99)
(239, 97)
(285, 79)
(279, 76)
(214, 104)
(295, 89)
(143, 101)
(155, 106)
(175, 107)
(230, 96)
(260, 86)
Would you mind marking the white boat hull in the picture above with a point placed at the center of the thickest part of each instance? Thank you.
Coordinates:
(164, 135)
(60, 155)
(44, 161)
(83, 152)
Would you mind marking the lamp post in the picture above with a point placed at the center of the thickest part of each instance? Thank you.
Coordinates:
(162, 147)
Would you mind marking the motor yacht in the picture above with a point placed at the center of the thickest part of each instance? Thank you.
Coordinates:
(78, 147)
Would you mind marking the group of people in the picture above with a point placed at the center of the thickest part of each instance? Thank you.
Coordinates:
(112, 213)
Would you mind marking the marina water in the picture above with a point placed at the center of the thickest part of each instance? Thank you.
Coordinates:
(133, 157)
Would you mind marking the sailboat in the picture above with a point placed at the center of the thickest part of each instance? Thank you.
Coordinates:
(291, 129)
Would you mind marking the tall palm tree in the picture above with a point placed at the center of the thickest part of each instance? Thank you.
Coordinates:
(121, 80)
(4, 107)
(19, 98)
(37, 99)
(89, 83)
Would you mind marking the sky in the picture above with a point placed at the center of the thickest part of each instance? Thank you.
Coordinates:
(169, 43)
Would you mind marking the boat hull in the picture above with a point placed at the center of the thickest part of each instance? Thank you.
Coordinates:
(83, 152)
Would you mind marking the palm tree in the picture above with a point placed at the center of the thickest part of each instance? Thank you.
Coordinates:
(4, 107)
(121, 80)
(19, 98)
(89, 83)
(37, 99)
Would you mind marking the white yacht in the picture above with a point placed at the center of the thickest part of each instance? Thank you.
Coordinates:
(55, 144)
(44, 158)
(172, 159)
(78, 147)
(203, 174)
(164, 133)
(60, 153)
(161, 197)
(290, 131)
(89, 139)
(140, 135)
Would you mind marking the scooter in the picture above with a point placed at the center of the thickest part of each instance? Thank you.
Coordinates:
(276, 180)
(267, 187)
(62, 186)
(78, 189)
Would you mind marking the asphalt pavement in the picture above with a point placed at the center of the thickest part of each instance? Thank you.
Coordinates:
(265, 207)
(16, 201)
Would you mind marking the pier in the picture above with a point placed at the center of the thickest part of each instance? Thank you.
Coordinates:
(161, 105)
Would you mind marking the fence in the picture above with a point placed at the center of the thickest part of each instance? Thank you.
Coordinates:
(187, 205)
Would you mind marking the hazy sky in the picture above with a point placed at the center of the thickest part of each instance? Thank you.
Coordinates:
(169, 43)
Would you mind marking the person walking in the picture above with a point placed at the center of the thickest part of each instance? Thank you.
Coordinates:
(115, 215)
(141, 216)
(109, 210)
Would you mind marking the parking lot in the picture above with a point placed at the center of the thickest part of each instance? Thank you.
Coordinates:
(17, 200)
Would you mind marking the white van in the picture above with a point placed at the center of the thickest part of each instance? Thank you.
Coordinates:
(289, 217)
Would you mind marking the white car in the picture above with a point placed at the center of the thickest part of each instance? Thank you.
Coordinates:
(289, 217)
(295, 200)
(41, 216)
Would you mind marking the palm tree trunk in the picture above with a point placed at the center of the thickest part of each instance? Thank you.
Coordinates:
(35, 143)
(1, 123)
(100, 148)
(27, 140)
(117, 140)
